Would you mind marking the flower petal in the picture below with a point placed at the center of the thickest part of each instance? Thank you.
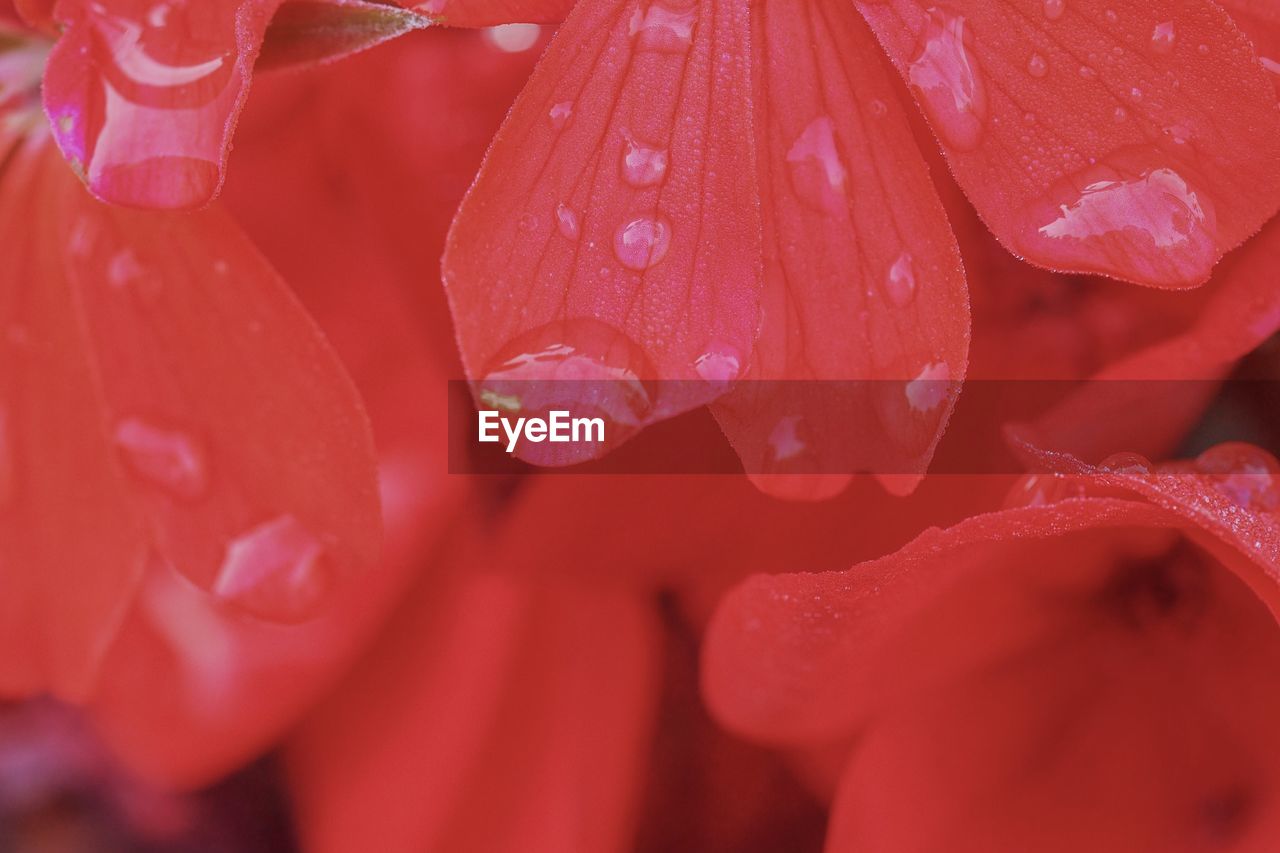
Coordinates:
(1134, 139)
(612, 236)
(143, 97)
(166, 395)
(863, 279)
(1260, 20)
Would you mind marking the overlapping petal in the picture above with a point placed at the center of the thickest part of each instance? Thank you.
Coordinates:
(612, 236)
(1096, 137)
(862, 278)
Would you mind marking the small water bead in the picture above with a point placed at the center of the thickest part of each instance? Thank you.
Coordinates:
(1087, 72)
(1120, 115)
(1162, 38)
(1037, 66)
(1135, 94)
(949, 81)
(900, 283)
(878, 108)
(560, 114)
(278, 571)
(642, 242)
(785, 440)
(1203, 50)
(659, 27)
(168, 458)
(718, 364)
(1249, 476)
(528, 222)
(513, 38)
(817, 173)
(1111, 16)
(930, 387)
(1127, 464)
(1053, 9)
(1270, 65)
(643, 166)
(1042, 490)
(567, 222)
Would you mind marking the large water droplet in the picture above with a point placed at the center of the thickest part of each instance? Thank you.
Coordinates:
(1162, 38)
(949, 82)
(1042, 490)
(567, 222)
(513, 38)
(1128, 464)
(277, 571)
(560, 114)
(643, 166)
(930, 387)
(1128, 218)
(1248, 475)
(1053, 9)
(1037, 66)
(900, 283)
(817, 173)
(661, 28)
(168, 458)
(582, 366)
(642, 242)
(785, 439)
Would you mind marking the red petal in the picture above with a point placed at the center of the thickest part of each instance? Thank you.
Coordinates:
(1260, 20)
(165, 394)
(1134, 139)
(497, 713)
(143, 97)
(303, 32)
(612, 234)
(862, 275)
(487, 13)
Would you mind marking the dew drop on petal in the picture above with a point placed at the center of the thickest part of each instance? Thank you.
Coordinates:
(643, 166)
(785, 440)
(1111, 16)
(1053, 9)
(878, 108)
(1042, 490)
(1037, 66)
(1162, 38)
(642, 242)
(168, 458)
(1120, 115)
(1129, 464)
(718, 364)
(817, 173)
(560, 114)
(1249, 476)
(930, 387)
(567, 222)
(528, 222)
(948, 81)
(513, 38)
(900, 283)
(659, 27)
(584, 366)
(1270, 65)
(277, 571)
(1087, 72)
(1135, 94)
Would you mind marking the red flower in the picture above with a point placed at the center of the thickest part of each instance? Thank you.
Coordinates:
(1088, 669)
(615, 229)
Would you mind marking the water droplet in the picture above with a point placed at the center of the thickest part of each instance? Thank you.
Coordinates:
(1111, 16)
(900, 283)
(277, 571)
(583, 366)
(1126, 217)
(1087, 72)
(1128, 464)
(528, 222)
(643, 166)
(718, 364)
(1203, 50)
(1249, 476)
(785, 440)
(1053, 9)
(1270, 65)
(1162, 38)
(168, 458)
(1135, 94)
(642, 242)
(879, 109)
(567, 222)
(1042, 490)
(930, 387)
(660, 28)
(817, 174)
(1037, 66)
(948, 81)
(1120, 115)
(560, 114)
(513, 38)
